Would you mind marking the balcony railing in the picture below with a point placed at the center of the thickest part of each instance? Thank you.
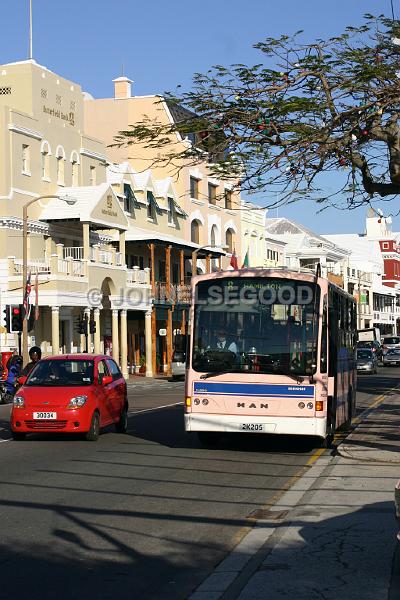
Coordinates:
(75, 252)
(172, 293)
(137, 275)
(34, 266)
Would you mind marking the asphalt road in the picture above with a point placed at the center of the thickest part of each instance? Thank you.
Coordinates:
(138, 516)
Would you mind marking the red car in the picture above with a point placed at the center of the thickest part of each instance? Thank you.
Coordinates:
(71, 393)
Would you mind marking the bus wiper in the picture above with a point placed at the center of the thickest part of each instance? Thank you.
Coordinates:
(213, 374)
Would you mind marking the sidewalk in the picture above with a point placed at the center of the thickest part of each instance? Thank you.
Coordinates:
(332, 536)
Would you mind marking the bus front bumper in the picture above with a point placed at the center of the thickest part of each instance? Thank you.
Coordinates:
(257, 424)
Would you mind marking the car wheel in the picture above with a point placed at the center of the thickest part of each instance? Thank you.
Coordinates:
(18, 436)
(93, 434)
(121, 426)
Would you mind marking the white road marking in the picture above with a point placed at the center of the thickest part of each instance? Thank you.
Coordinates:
(136, 412)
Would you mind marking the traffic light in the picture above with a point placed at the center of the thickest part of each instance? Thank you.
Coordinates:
(7, 318)
(17, 312)
(92, 326)
(81, 325)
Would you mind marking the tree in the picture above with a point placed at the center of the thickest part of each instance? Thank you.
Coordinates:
(306, 111)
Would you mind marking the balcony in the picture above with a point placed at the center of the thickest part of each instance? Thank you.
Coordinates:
(172, 294)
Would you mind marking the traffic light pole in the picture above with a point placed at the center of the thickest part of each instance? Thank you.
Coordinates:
(25, 356)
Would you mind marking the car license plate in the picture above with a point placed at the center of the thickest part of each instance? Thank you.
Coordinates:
(45, 415)
(252, 427)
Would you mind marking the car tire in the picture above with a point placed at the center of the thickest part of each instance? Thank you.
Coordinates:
(18, 436)
(121, 426)
(93, 434)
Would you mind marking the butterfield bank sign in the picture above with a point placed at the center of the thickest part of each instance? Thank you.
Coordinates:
(56, 112)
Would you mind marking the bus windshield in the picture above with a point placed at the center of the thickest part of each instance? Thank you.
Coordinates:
(256, 325)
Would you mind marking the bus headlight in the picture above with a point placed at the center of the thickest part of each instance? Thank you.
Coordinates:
(301, 405)
(196, 401)
(205, 401)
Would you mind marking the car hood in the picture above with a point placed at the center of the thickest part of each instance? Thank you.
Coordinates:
(51, 397)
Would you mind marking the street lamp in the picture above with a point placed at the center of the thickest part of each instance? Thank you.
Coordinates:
(69, 200)
(206, 247)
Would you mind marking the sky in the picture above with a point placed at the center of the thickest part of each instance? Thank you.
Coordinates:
(160, 44)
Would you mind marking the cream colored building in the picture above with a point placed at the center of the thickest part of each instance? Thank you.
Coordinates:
(78, 251)
(253, 234)
(211, 205)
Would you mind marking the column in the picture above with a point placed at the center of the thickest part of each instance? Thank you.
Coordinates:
(122, 247)
(124, 344)
(219, 263)
(169, 341)
(96, 313)
(115, 335)
(208, 263)
(194, 263)
(154, 340)
(182, 267)
(148, 343)
(55, 329)
(86, 241)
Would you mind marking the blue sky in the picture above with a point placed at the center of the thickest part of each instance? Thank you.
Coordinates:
(161, 44)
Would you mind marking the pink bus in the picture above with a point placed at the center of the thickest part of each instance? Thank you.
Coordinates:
(270, 351)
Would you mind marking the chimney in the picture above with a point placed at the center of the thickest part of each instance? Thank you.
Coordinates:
(122, 87)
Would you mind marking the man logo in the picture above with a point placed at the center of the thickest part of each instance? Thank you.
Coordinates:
(109, 202)
(252, 405)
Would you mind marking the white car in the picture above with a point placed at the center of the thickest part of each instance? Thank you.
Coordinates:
(178, 365)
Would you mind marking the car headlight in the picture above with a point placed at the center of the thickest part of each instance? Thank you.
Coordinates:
(19, 401)
(77, 401)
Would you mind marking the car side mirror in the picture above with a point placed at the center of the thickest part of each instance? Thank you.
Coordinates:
(22, 380)
(106, 380)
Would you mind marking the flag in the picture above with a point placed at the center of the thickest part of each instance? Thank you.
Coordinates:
(233, 262)
(246, 260)
(37, 296)
(28, 288)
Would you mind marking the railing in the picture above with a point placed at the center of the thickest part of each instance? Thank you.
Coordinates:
(75, 252)
(105, 257)
(137, 275)
(173, 293)
(34, 266)
(118, 259)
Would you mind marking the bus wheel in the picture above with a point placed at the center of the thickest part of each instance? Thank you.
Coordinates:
(208, 439)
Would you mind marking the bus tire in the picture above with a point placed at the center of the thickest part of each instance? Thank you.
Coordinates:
(208, 439)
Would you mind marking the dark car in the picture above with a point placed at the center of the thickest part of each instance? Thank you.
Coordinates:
(375, 346)
(367, 360)
(392, 357)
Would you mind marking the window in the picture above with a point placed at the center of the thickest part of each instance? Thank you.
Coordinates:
(195, 232)
(150, 206)
(385, 245)
(161, 270)
(171, 208)
(130, 201)
(113, 368)
(212, 193)
(213, 235)
(228, 199)
(194, 188)
(229, 240)
(92, 175)
(102, 370)
(60, 170)
(26, 159)
(75, 173)
(45, 163)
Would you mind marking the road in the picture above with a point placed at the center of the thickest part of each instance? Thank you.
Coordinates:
(146, 515)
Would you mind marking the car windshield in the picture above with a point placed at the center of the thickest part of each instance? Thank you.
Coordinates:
(391, 340)
(364, 354)
(256, 325)
(61, 373)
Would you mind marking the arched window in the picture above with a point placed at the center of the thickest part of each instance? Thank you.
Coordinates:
(75, 168)
(45, 150)
(195, 231)
(60, 155)
(213, 235)
(230, 240)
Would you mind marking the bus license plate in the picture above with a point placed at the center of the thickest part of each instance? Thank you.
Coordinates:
(252, 427)
(45, 415)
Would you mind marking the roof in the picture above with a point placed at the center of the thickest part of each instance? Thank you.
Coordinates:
(363, 250)
(95, 204)
(136, 234)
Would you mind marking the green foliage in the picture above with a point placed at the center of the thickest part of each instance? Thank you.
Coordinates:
(305, 110)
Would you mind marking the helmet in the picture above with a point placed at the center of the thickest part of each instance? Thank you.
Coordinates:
(35, 350)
